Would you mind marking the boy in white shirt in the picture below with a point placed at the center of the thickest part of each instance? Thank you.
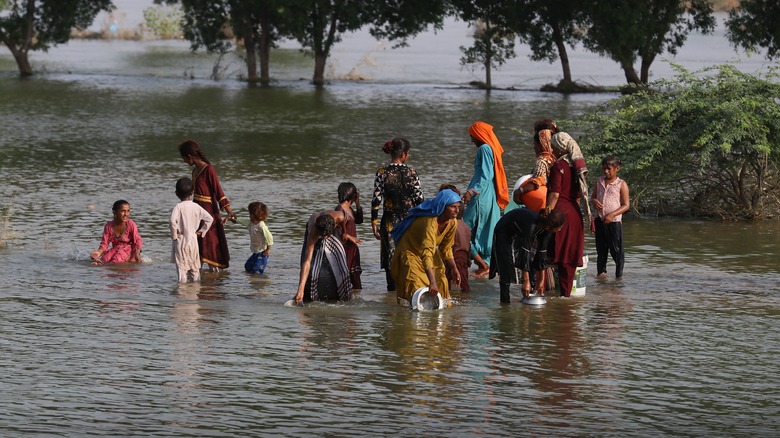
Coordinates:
(189, 221)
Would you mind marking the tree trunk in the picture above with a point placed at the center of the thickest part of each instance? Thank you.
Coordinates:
(320, 58)
(22, 60)
(265, 49)
(488, 78)
(562, 54)
(645, 68)
(251, 53)
(631, 76)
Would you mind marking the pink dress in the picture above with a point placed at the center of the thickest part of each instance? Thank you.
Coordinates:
(122, 247)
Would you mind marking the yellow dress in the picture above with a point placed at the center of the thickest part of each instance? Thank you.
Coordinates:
(422, 247)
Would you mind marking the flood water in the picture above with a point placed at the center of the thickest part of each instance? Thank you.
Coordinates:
(685, 344)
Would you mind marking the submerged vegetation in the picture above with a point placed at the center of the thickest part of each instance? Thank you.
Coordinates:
(705, 144)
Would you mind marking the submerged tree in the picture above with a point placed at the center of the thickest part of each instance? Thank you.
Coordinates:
(708, 144)
(209, 24)
(548, 26)
(493, 38)
(41, 24)
(754, 24)
(628, 30)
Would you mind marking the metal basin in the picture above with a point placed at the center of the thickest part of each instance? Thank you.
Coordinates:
(534, 300)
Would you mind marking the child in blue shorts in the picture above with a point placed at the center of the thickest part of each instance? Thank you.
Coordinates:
(260, 238)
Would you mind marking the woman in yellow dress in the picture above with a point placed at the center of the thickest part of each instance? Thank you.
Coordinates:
(424, 244)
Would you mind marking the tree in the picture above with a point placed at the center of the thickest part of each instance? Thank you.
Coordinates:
(627, 30)
(208, 22)
(547, 26)
(319, 24)
(707, 145)
(754, 24)
(493, 37)
(40, 24)
(491, 49)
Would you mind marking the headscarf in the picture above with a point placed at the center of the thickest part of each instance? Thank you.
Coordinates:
(429, 207)
(544, 158)
(563, 142)
(484, 133)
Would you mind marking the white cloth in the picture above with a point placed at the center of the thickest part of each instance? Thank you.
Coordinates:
(260, 237)
(187, 219)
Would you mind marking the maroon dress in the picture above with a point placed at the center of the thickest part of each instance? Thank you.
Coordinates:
(352, 251)
(208, 194)
(567, 246)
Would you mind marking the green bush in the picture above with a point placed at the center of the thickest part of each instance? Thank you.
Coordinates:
(704, 144)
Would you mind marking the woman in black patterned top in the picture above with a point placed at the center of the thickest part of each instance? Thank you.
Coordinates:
(397, 189)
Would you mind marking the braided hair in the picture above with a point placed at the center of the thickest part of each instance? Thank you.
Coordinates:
(192, 148)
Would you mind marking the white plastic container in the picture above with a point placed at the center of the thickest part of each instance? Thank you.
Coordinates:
(578, 286)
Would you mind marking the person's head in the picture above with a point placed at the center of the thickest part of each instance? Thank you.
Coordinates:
(121, 210)
(462, 207)
(325, 224)
(189, 150)
(542, 124)
(542, 139)
(611, 166)
(551, 220)
(257, 212)
(184, 188)
(446, 204)
(481, 133)
(347, 192)
(397, 148)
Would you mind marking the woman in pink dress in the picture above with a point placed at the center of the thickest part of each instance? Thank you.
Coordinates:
(122, 236)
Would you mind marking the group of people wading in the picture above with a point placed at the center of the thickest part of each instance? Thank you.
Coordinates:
(431, 242)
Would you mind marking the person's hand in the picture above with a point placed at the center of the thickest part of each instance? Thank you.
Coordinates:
(356, 241)
(526, 288)
(433, 288)
(597, 204)
(266, 252)
(95, 256)
(470, 193)
(298, 298)
(608, 218)
(375, 229)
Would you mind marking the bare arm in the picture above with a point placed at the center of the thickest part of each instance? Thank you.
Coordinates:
(305, 266)
(624, 204)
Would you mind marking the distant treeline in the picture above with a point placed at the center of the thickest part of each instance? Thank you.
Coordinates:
(632, 33)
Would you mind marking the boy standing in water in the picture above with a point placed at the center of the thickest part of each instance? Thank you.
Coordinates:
(188, 222)
(611, 200)
(260, 238)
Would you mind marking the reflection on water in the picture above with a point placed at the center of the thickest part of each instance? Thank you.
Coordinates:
(680, 345)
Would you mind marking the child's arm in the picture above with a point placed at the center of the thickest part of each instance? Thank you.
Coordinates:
(207, 219)
(138, 243)
(269, 240)
(624, 204)
(96, 255)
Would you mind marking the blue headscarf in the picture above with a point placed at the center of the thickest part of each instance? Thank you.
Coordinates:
(429, 207)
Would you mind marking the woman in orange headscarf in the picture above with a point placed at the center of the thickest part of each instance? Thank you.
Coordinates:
(486, 196)
(533, 192)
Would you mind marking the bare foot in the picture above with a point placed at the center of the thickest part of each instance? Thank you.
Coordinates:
(481, 273)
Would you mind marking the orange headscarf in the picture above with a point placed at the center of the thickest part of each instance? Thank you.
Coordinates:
(484, 133)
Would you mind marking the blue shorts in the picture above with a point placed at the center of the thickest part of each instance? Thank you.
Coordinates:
(256, 264)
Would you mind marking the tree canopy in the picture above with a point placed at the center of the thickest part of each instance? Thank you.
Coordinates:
(708, 144)
(628, 30)
(754, 24)
(40, 24)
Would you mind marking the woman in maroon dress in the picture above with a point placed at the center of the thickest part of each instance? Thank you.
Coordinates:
(565, 187)
(208, 194)
(348, 195)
